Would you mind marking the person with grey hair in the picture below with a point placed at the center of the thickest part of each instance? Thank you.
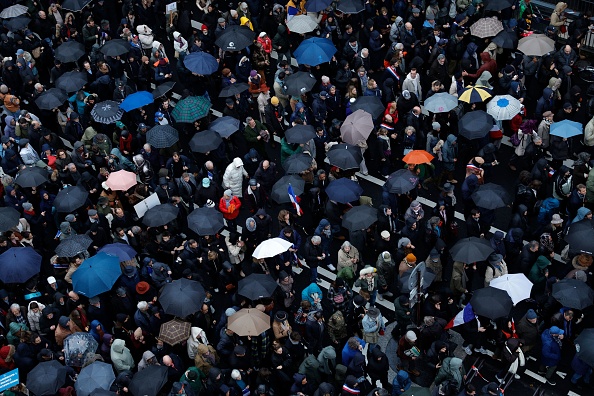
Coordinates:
(18, 314)
(257, 136)
(313, 255)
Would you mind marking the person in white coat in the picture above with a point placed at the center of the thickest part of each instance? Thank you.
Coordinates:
(145, 36)
(412, 83)
(233, 177)
(180, 45)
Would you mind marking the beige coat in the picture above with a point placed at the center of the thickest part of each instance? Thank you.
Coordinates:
(344, 259)
(556, 19)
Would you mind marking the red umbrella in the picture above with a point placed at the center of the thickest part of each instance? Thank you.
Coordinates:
(121, 180)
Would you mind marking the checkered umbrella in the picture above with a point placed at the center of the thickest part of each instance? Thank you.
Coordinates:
(174, 331)
(162, 136)
(486, 27)
(107, 112)
(191, 109)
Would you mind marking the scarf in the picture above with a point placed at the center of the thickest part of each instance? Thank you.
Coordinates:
(370, 284)
(352, 391)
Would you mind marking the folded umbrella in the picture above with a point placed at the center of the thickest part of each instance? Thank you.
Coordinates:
(79, 348)
(19, 264)
(137, 100)
(257, 286)
(107, 112)
(201, 63)
(122, 251)
(46, 378)
(182, 297)
(314, 51)
(191, 109)
(566, 129)
(96, 275)
(70, 51)
(506, 39)
(345, 156)
(350, 6)
(174, 331)
(297, 163)
(486, 27)
(344, 190)
(504, 107)
(121, 180)
(317, 5)
(235, 38)
(471, 250)
(51, 99)
(205, 221)
(225, 126)
(300, 134)
(73, 245)
(71, 81)
(9, 218)
(18, 23)
(517, 286)
(299, 83)
(369, 104)
(249, 322)
(491, 196)
(116, 47)
(491, 302)
(472, 94)
(417, 157)
(70, 198)
(536, 45)
(13, 11)
(498, 5)
(31, 177)
(148, 381)
(162, 136)
(584, 345)
(163, 89)
(280, 189)
(271, 247)
(401, 181)
(302, 24)
(160, 215)
(359, 218)
(205, 141)
(97, 375)
(573, 293)
(475, 124)
(579, 236)
(356, 127)
(75, 5)
(442, 102)
(233, 89)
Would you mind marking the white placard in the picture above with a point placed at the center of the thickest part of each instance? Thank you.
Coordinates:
(143, 206)
(171, 7)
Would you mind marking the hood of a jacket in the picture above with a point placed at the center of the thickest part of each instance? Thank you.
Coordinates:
(118, 346)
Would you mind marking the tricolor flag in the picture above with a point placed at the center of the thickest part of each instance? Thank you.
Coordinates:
(291, 10)
(464, 316)
(294, 199)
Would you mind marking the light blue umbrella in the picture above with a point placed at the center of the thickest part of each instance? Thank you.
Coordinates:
(96, 275)
(442, 102)
(566, 129)
(137, 100)
(315, 51)
(504, 107)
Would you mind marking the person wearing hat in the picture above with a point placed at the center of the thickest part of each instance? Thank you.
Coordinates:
(551, 339)
(527, 330)
(229, 205)
(65, 328)
(254, 198)
(497, 267)
(28, 154)
(408, 352)
(281, 327)
(274, 115)
(373, 326)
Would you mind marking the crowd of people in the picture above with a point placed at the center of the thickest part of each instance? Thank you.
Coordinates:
(320, 342)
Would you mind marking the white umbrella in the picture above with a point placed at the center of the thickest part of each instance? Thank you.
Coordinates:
(302, 24)
(13, 11)
(271, 247)
(536, 45)
(516, 285)
(504, 107)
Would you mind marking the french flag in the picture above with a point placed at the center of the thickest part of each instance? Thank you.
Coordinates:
(291, 11)
(464, 316)
(295, 200)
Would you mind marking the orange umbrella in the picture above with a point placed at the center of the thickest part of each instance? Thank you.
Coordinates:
(417, 157)
(121, 180)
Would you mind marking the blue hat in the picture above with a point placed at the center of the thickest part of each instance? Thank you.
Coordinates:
(206, 182)
(142, 125)
(556, 330)
(158, 114)
(531, 314)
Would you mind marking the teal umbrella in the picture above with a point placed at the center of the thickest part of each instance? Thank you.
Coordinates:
(96, 275)
(191, 109)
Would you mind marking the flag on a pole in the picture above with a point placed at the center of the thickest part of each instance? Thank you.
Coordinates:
(294, 199)
(464, 316)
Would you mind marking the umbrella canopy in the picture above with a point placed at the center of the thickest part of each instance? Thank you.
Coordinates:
(350, 6)
(517, 286)
(470, 250)
(162, 136)
(356, 127)
(163, 88)
(115, 47)
(442, 102)
(297, 163)
(302, 24)
(78, 348)
(233, 89)
(271, 247)
(205, 221)
(122, 251)
(205, 141)
(486, 27)
(345, 156)
(9, 217)
(46, 378)
(249, 322)
(503, 107)
(160, 215)
(51, 99)
(491, 302)
(71, 81)
(370, 104)
(17, 23)
(566, 129)
(299, 83)
(235, 38)
(401, 181)
(191, 109)
(257, 286)
(121, 180)
(137, 100)
(359, 218)
(97, 375)
(19, 264)
(417, 157)
(182, 297)
(579, 236)
(225, 126)
(314, 51)
(491, 196)
(498, 5)
(31, 177)
(536, 45)
(280, 189)
(201, 63)
(573, 293)
(584, 345)
(70, 51)
(73, 245)
(13, 11)
(107, 112)
(344, 190)
(506, 39)
(317, 5)
(475, 124)
(103, 392)
(300, 134)
(148, 381)
(175, 331)
(70, 198)
(96, 275)
(473, 94)
(75, 5)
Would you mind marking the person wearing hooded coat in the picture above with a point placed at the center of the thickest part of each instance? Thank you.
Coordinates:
(452, 373)
(121, 357)
(206, 358)
(378, 366)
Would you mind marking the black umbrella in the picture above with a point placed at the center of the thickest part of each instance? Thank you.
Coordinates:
(70, 198)
(182, 297)
(19, 264)
(51, 99)
(579, 236)
(75, 5)
(73, 245)
(162, 136)
(491, 196)
(573, 293)
(205, 221)
(225, 126)
(299, 83)
(506, 39)
(233, 89)
(107, 112)
(475, 124)
(70, 51)
(31, 177)
(16, 24)
(345, 156)
(160, 215)
(359, 218)
(205, 141)
(491, 302)
(350, 6)
(300, 134)
(371, 104)
(163, 89)
(498, 5)
(344, 190)
(401, 181)
(235, 38)
(71, 81)
(297, 163)
(115, 47)
(9, 218)
(46, 378)
(97, 375)
(471, 250)
(103, 392)
(280, 190)
(584, 345)
(148, 381)
(257, 286)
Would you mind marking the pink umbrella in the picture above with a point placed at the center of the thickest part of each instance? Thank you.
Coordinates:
(121, 180)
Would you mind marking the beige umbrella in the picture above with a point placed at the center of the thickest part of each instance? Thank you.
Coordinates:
(249, 322)
(536, 45)
(356, 127)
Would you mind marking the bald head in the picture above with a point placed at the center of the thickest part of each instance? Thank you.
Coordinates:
(209, 165)
(408, 26)
(167, 360)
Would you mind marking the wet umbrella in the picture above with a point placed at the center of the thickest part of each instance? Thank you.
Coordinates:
(417, 157)
(115, 47)
(300, 134)
(235, 38)
(442, 102)
(103, 392)
(201, 63)
(297, 163)
(302, 24)
(71, 81)
(584, 346)
(350, 6)
(9, 217)
(579, 236)
(517, 286)
(344, 190)
(73, 245)
(506, 39)
(96, 275)
(475, 124)
(122, 251)
(107, 112)
(271, 247)
(504, 107)
(225, 126)
(491, 196)
(78, 348)
(75, 5)
(51, 99)
(162, 136)
(257, 286)
(19, 264)
(491, 302)
(536, 45)
(205, 141)
(233, 89)
(97, 375)
(174, 331)
(248, 322)
(486, 27)
(70, 51)
(16, 24)
(137, 100)
(317, 5)
(191, 109)
(472, 94)
(182, 297)
(470, 250)
(46, 378)
(163, 89)
(566, 129)
(314, 51)
(13, 11)
(497, 5)
(359, 218)
(31, 177)
(148, 381)
(121, 180)
(356, 127)
(160, 215)
(299, 83)
(205, 221)
(370, 104)
(70, 198)
(280, 189)
(573, 293)
(401, 181)
(345, 156)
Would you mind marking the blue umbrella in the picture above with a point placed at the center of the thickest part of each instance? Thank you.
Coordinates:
(120, 250)
(566, 129)
(137, 100)
(96, 275)
(19, 264)
(225, 126)
(97, 375)
(201, 63)
(344, 190)
(315, 51)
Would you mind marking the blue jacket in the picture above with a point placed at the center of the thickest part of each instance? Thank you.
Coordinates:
(551, 350)
(401, 381)
(306, 294)
(348, 353)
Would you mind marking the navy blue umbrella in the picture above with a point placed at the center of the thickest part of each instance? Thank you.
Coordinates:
(19, 264)
(96, 275)
(137, 100)
(201, 63)
(225, 126)
(317, 5)
(315, 51)
(97, 375)
(120, 250)
(46, 378)
(344, 190)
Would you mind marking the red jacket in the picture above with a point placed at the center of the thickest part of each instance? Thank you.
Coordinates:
(488, 64)
(266, 43)
(232, 211)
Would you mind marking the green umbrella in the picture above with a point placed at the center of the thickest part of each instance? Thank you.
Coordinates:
(191, 109)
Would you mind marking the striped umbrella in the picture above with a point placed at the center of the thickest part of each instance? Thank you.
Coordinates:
(474, 95)
(504, 107)
(486, 27)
